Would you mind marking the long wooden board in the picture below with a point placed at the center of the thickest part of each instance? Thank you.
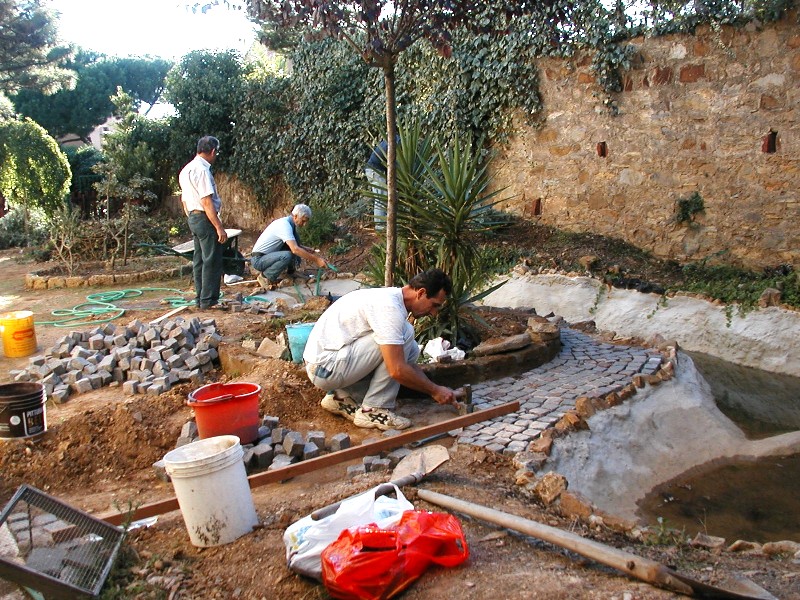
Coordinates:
(327, 460)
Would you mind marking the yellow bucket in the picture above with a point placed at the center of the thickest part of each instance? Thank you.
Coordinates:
(18, 334)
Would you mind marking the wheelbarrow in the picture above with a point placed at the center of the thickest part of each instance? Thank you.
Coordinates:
(233, 261)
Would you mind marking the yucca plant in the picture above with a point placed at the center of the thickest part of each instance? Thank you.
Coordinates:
(444, 205)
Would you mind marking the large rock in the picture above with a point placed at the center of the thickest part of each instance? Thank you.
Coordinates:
(500, 345)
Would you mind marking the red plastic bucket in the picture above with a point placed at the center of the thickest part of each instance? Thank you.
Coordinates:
(226, 409)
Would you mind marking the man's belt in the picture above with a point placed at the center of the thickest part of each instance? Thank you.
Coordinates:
(196, 212)
(256, 254)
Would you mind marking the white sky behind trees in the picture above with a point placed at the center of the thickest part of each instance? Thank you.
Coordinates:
(156, 28)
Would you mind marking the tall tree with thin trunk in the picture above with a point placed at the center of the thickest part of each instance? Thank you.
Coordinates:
(379, 30)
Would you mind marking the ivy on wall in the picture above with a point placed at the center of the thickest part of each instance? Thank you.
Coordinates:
(313, 129)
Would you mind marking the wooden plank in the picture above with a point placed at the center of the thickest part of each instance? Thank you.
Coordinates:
(174, 311)
(390, 443)
(334, 458)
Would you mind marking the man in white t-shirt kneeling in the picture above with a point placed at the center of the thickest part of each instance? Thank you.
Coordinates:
(362, 349)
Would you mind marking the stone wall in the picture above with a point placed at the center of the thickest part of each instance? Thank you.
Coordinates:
(695, 115)
(240, 208)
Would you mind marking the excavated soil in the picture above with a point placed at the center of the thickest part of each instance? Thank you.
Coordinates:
(99, 449)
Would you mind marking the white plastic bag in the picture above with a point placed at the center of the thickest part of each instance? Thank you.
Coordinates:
(439, 350)
(306, 539)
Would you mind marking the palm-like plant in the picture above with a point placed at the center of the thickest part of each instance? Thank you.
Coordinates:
(444, 205)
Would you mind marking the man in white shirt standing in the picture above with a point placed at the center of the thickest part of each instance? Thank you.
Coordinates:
(362, 349)
(278, 248)
(202, 204)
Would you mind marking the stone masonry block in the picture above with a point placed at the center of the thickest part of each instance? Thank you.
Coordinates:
(355, 471)
(60, 394)
(278, 434)
(248, 458)
(293, 443)
(311, 450)
(317, 438)
(282, 460)
(339, 441)
(263, 454)
(189, 429)
(395, 456)
(96, 342)
(56, 365)
(81, 386)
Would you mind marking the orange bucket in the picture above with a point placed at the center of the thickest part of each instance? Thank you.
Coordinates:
(18, 334)
(226, 409)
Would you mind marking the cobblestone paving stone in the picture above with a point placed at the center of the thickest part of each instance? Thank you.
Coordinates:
(583, 367)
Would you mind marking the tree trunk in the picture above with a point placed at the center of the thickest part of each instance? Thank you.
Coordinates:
(125, 232)
(391, 176)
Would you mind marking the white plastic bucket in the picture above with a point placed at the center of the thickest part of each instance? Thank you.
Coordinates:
(212, 489)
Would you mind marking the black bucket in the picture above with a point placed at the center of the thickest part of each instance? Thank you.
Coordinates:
(22, 410)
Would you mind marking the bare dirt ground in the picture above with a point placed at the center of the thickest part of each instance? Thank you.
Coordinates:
(99, 449)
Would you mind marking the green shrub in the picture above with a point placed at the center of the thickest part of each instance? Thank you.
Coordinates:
(321, 228)
(734, 285)
(687, 208)
(12, 229)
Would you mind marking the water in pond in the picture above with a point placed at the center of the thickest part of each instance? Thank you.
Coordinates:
(754, 500)
(762, 404)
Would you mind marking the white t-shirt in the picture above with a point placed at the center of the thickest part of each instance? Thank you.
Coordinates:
(377, 311)
(274, 236)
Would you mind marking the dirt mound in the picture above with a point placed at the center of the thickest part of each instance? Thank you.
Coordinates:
(104, 443)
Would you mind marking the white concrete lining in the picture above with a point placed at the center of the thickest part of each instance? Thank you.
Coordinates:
(667, 429)
(767, 338)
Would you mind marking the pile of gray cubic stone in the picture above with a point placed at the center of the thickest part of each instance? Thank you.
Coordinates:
(276, 447)
(142, 358)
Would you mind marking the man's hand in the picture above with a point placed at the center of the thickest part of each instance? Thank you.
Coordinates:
(444, 395)
(321, 262)
(222, 236)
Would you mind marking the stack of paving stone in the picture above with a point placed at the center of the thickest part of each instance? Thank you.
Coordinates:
(277, 447)
(142, 358)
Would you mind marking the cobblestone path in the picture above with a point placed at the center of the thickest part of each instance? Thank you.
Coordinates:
(583, 367)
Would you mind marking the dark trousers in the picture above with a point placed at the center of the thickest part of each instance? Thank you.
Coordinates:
(273, 264)
(207, 260)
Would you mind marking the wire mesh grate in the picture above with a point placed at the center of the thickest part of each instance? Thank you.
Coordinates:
(53, 548)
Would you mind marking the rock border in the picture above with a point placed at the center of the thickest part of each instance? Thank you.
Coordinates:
(35, 281)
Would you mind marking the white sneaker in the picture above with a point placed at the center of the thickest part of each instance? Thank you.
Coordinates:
(381, 418)
(346, 407)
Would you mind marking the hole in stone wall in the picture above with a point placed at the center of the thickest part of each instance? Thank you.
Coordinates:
(537, 207)
(602, 149)
(770, 142)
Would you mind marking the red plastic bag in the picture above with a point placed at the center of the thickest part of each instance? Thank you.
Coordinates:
(368, 563)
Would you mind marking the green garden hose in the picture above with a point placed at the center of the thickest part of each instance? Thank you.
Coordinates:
(99, 305)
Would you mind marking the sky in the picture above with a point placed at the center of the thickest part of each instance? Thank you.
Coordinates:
(156, 28)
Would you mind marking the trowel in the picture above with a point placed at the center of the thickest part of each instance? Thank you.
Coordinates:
(409, 471)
